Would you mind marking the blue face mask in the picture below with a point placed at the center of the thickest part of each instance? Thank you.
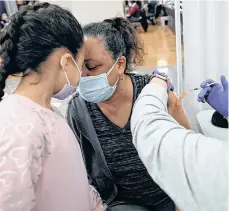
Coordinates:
(96, 89)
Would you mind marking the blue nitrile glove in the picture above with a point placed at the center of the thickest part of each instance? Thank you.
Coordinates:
(216, 95)
(169, 83)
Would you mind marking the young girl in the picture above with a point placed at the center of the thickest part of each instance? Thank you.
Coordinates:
(41, 166)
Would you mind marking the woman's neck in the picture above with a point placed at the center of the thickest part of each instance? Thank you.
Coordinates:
(39, 92)
(123, 92)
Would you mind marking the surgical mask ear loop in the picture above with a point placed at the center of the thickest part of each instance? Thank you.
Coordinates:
(80, 71)
(61, 63)
(108, 73)
(67, 78)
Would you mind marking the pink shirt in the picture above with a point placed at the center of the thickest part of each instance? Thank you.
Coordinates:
(135, 10)
(41, 166)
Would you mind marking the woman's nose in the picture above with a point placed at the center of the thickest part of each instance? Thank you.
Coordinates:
(84, 71)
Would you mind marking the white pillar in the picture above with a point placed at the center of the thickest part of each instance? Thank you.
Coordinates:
(180, 86)
(205, 25)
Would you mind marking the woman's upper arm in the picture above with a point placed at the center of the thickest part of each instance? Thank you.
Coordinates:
(176, 111)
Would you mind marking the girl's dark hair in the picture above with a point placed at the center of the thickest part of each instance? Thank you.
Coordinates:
(33, 34)
(120, 39)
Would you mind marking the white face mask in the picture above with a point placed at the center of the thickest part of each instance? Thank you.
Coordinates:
(96, 89)
(68, 89)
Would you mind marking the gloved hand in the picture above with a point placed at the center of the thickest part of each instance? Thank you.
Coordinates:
(169, 83)
(216, 95)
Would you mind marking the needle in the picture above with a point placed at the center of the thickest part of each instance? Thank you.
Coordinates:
(198, 88)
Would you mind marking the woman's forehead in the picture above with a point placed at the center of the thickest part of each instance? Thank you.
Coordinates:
(95, 49)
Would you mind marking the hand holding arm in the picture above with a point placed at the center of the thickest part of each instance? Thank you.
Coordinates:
(174, 104)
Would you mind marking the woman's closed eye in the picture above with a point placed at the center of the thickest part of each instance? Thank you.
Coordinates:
(91, 68)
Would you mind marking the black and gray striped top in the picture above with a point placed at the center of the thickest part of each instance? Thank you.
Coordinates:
(131, 177)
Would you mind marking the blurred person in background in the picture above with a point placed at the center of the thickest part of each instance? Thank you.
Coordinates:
(136, 14)
(135, 9)
(4, 20)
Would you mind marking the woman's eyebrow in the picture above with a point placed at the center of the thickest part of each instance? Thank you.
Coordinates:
(87, 60)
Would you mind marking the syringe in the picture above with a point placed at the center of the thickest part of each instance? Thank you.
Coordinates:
(198, 88)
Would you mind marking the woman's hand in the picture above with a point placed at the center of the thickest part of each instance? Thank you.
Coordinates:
(96, 201)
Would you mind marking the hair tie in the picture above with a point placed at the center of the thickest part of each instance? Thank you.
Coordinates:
(114, 23)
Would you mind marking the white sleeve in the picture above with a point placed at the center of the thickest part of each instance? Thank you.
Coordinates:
(189, 167)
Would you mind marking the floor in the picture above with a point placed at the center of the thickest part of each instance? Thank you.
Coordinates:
(160, 51)
(160, 47)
